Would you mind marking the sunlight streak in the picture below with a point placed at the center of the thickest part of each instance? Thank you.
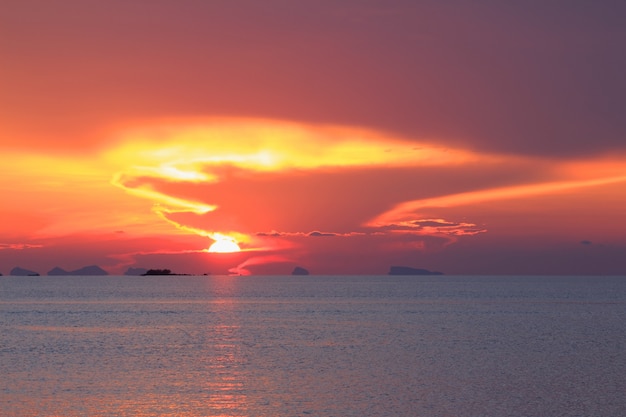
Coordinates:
(407, 210)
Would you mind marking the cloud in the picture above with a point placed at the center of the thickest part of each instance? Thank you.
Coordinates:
(406, 134)
(247, 266)
(19, 246)
(275, 165)
(243, 177)
(320, 234)
(408, 209)
(270, 234)
(275, 191)
(434, 223)
(434, 227)
(315, 233)
(507, 93)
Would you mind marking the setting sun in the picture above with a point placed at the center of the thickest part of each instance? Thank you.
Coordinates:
(224, 244)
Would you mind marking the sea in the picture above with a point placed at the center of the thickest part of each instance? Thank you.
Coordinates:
(339, 346)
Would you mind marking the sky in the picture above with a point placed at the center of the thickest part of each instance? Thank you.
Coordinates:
(344, 137)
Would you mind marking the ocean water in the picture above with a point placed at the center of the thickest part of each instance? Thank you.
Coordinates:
(313, 346)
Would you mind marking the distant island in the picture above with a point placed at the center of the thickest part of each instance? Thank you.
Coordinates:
(86, 270)
(298, 270)
(407, 270)
(160, 272)
(21, 272)
(135, 271)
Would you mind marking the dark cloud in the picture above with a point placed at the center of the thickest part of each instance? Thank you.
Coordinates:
(269, 234)
(309, 234)
(542, 78)
(434, 223)
(431, 227)
(320, 234)
(19, 246)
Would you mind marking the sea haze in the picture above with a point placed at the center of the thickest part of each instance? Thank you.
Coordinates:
(317, 346)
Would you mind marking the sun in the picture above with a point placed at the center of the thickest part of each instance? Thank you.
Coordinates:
(224, 244)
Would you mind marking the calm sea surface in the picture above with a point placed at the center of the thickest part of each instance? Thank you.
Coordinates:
(313, 346)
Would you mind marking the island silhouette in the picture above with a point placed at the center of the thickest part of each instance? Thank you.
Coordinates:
(298, 270)
(85, 270)
(95, 270)
(135, 271)
(160, 272)
(407, 270)
(22, 272)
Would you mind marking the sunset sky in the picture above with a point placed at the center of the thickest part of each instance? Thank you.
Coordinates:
(482, 137)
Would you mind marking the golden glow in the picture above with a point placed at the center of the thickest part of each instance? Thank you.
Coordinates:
(223, 244)
(180, 205)
(54, 196)
(236, 180)
(408, 209)
(202, 151)
(179, 147)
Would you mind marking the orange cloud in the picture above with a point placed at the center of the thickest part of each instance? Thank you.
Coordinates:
(410, 209)
(199, 167)
(281, 187)
(244, 268)
(261, 181)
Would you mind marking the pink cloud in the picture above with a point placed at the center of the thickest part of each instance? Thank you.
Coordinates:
(19, 246)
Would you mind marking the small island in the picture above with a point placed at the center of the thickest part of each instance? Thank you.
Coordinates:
(298, 270)
(85, 270)
(407, 270)
(135, 271)
(21, 272)
(165, 271)
(158, 272)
